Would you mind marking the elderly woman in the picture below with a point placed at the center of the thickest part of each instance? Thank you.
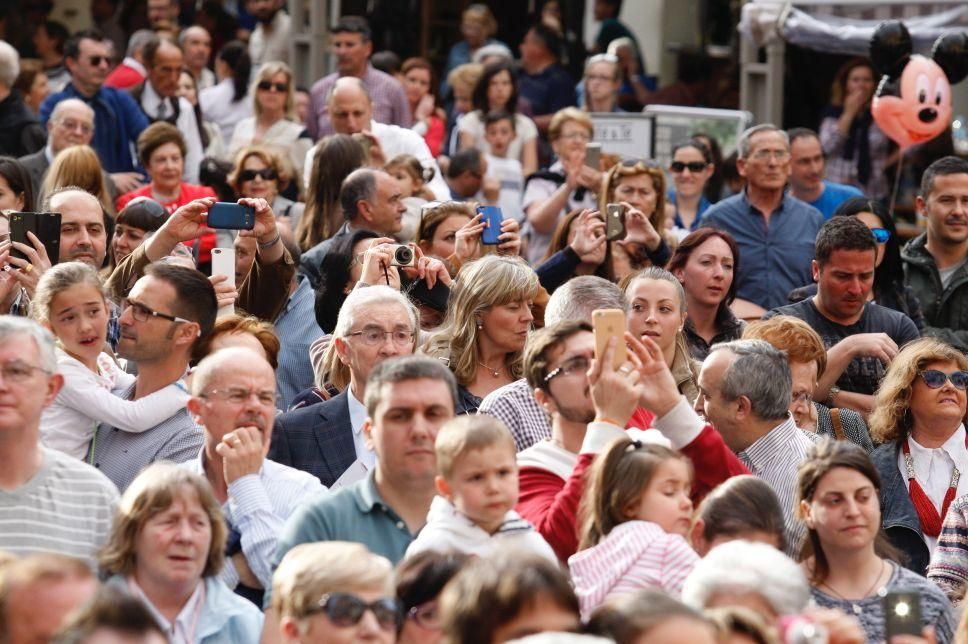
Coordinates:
(261, 172)
(334, 592)
(919, 417)
(167, 547)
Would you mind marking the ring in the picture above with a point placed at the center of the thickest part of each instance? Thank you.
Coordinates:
(625, 370)
(28, 268)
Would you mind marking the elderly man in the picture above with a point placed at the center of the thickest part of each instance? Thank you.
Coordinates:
(131, 72)
(269, 41)
(807, 172)
(196, 43)
(350, 109)
(325, 440)
(351, 46)
(71, 123)
(20, 133)
(49, 502)
(233, 400)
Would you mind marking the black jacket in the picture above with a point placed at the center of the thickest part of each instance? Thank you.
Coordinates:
(20, 131)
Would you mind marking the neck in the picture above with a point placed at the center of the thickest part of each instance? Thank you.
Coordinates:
(20, 457)
(491, 356)
(851, 572)
(50, 59)
(764, 200)
(358, 72)
(807, 194)
(84, 89)
(268, 118)
(536, 67)
(88, 361)
(409, 498)
(155, 376)
(214, 470)
(703, 317)
(169, 192)
(819, 303)
(755, 429)
(568, 434)
(933, 435)
(357, 387)
(605, 104)
(946, 254)
(168, 601)
(669, 354)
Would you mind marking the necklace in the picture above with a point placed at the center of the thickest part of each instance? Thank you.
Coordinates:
(494, 372)
(855, 603)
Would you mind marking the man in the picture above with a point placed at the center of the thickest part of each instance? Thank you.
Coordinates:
(163, 14)
(936, 261)
(542, 81)
(325, 440)
(466, 178)
(270, 38)
(168, 311)
(774, 230)
(20, 133)
(117, 119)
(861, 337)
(113, 616)
(233, 400)
(131, 72)
(38, 593)
(159, 101)
(70, 123)
(807, 170)
(83, 235)
(352, 47)
(196, 43)
(49, 502)
(351, 111)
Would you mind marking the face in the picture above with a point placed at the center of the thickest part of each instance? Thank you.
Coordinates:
(689, 183)
(872, 221)
(568, 394)
(532, 48)
(219, 415)
(806, 163)
(944, 406)
(350, 111)
(387, 208)
(319, 628)
(83, 238)
(22, 399)
(499, 90)
(572, 140)
(79, 319)
(161, 11)
(602, 80)
(154, 339)
(73, 126)
(197, 47)
(665, 500)
(186, 88)
(507, 325)
(245, 250)
(483, 485)
(861, 80)
(473, 32)
(804, 382)
(92, 65)
(302, 101)
(361, 357)
(166, 165)
(768, 165)
(351, 53)
(172, 546)
(259, 186)
(42, 608)
(719, 412)
(39, 90)
(166, 70)
(404, 180)
(443, 242)
(845, 281)
(655, 311)
(708, 272)
(416, 83)
(679, 629)
(946, 209)
(639, 190)
(125, 240)
(499, 136)
(845, 510)
(463, 99)
(429, 632)
(272, 100)
(10, 200)
(263, 10)
(542, 615)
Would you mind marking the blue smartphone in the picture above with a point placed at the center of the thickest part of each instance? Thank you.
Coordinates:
(232, 216)
(493, 218)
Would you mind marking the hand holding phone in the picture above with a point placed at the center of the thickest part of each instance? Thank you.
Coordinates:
(223, 263)
(610, 323)
(46, 228)
(492, 219)
(902, 614)
(614, 221)
(231, 216)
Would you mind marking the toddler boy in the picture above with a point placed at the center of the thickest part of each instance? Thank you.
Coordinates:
(499, 132)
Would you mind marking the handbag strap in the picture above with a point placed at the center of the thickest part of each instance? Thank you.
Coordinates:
(837, 423)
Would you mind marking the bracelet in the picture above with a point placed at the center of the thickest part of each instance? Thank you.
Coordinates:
(263, 246)
(833, 391)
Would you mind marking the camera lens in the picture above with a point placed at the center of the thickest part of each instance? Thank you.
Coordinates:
(403, 255)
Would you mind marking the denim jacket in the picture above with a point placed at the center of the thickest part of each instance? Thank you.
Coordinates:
(898, 517)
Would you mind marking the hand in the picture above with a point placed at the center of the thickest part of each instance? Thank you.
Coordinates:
(927, 637)
(242, 452)
(429, 269)
(187, 223)
(638, 228)
(376, 261)
(589, 236)
(876, 345)
(265, 221)
(491, 190)
(225, 293)
(509, 241)
(573, 165)
(590, 178)
(615, 393)
(854, 102)
(8, 282)
(467, 239)
(127, 182)
(841, 628)
(659, 390)
(425, 108)
(377, 158)
(36, 258)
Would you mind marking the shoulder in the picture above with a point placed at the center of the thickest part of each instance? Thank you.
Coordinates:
(802, 309)
(842, 189)
(278, 472)
(725, 207)
(66, 470)
(225, 604)
(803, 207)
(907, 579)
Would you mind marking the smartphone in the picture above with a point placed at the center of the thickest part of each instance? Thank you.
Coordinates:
(232, 216)
(492, 218)
(593, 155)
(436, 297)
(223, 263)
(45, 225)
(614, 221)
(609, 323)
(902, 614)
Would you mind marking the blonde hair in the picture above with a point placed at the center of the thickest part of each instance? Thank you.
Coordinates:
(270, 158)
(266, 72)
(58, 279)
(78, 166)
(468, 433)
(465, 76)
(482, 15)
(566, 115)
(891, 419)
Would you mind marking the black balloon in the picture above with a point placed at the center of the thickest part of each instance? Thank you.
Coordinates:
(950, 51)
(890, 47)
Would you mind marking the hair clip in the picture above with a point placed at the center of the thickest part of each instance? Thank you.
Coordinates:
(633, 446)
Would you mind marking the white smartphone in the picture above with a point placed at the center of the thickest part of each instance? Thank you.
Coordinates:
(223, 263)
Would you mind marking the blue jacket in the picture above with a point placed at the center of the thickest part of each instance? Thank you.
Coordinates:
(898, 517)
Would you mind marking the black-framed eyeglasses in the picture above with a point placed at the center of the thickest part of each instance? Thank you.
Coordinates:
(881, 235)
(570, 367)
(265, 86)
(426, 615)
(141, 313)
(18, 371)
(373, 336)
(694, 167)
(935, 379)
(240, 396)
(266, 174)
(346, 609)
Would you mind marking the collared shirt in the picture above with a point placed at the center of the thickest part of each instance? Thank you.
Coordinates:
(182, 631)
(297, 329)
(515, 405)
(160, 108)
(775, 256)
(728, 328)
(390, 104)
(357, 418)
(270, 42)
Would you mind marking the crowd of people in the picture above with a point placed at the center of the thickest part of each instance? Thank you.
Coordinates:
(396, 418)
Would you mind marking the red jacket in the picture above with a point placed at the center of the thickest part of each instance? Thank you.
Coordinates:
(187, 192)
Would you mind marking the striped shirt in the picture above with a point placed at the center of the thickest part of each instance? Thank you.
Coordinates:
(514, 404)
(66, 508)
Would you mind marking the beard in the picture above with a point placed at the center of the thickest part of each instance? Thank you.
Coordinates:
(582, 412)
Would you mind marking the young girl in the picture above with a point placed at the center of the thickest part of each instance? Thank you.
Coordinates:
(70, 301)
(635, 514)
(413, 178)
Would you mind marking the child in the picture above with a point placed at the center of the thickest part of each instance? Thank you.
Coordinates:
(477, 487)
(70, 301)
(635, 514)
(499, 132)
(413, 178)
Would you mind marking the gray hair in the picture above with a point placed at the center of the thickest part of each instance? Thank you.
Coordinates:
(743, 147)
(369, 296)
(402, 369)
(214, 364)
(579, 296)
(359, 185)
(494, 49)
(11, 325)
(9, 64)
(659, 273)
(345, 82)
(68, 103)
(138, 41)
(621, 43)
(58, 279)
(743, 567)
(761, 372)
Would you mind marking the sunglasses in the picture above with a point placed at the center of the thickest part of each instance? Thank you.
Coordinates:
(694, 166)
(266, 174)
(265, 86)
(935, 379)
(881, 235)
(344, 609)
(97, 60)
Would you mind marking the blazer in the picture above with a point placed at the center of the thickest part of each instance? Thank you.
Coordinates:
(36, 165)
(316, 439)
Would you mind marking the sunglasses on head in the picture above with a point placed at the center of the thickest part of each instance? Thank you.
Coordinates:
(935, 379)
(881, 235)
(266, 174)
(265, 86)
(345, 609)
(693, 166)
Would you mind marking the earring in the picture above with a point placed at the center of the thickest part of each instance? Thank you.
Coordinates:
(480, 325)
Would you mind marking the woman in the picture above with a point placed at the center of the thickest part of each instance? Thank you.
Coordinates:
(602, 81)
(568, 184)
(691, 168)
(335, 157)
(340, 271)
(440, 226)
(420, 580)
(167, 548)
(135, 223)
(225, 104)
(807, 356)
(261, 172)
(161, 150)
(581, 249)
(705, 263)
(920, 407)
(430, 121)
(274, 123)
(477, 25)
(16, 191)
(650, 616)
(210, 133)
(78, 166)
(857, 150)
(497, 89)
(487, 324)
(848, 561)
(716, 185)
(32, 83)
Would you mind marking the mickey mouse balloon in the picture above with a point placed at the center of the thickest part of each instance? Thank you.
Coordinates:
(912, 103)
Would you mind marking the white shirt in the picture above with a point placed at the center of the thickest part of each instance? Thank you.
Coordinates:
(358, 416)
(511, 176)
(206, 79)
(217, 107)
(183, 630)
(285, 136)
(524, 131)
(186, 124)
(269, 43)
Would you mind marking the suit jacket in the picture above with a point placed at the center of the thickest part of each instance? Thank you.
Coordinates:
(36, 165)
(316, 439)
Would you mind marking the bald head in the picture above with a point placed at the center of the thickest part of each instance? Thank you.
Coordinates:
(350, 107)
(213, 367)
(71, 123)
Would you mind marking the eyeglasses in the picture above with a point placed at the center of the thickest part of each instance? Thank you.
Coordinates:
(693, 166)
(239, 396)
(580, 136)
(266, 174)
(97, 60)
(265, 86)
(881, 235)
(71, 124)
(344, 609)
(18, 372)
(605, 78)
(571, 367)
(935, 379)
(763, 155)
(803, 396)
(426, 616)
(141, 313)
(374, 336)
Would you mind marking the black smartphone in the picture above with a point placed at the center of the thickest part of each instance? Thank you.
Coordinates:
(614, 221)
(232, 216)
(902, 614)
(45, 225)
(492, 218)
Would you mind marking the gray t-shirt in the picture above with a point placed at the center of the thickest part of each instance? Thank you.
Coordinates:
(946, 273)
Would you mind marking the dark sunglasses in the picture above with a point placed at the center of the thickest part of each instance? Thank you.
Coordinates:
(935, 379)
(881, 235)
(694, 166)
(97, 60)
(265, 86)
(344, 609)
(266, 174)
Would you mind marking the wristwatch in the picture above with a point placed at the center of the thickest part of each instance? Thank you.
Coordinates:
(830, 396)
